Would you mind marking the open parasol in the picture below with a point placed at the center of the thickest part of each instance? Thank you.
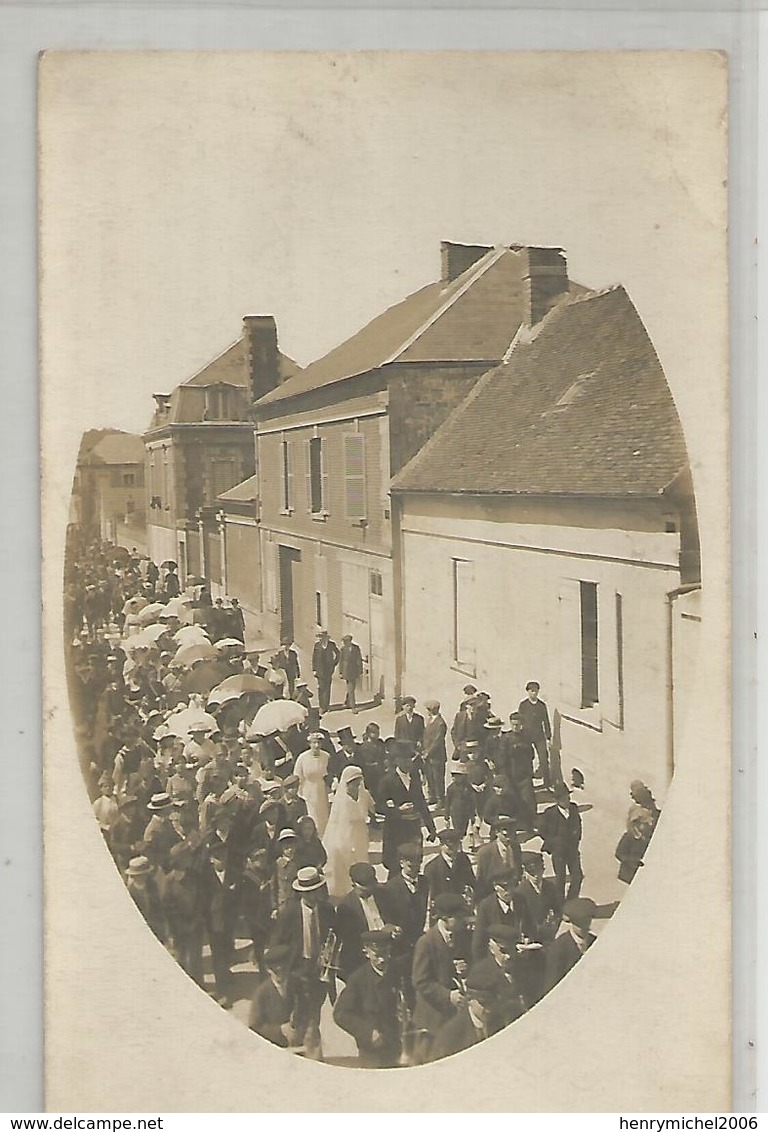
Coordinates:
(188, 655)
(241, 684)
(278, 715)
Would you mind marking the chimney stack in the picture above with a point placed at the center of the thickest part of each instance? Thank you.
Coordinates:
(545, 279)
(263, 357)
(456, 258)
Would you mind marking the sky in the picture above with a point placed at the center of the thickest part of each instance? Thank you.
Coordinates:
(181, 191)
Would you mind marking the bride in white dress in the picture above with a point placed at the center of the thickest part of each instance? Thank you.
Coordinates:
(346, 834)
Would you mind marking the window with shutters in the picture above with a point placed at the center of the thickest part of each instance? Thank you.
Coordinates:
(354, 477)
(270, 576)
(578, 652)
(589, 644)
(317, 477)
(287, 477)
(464, 644)
(321, 591)
(620, 659)
(223, 476)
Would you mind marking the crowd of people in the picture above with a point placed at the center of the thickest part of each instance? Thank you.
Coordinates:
(233, 814)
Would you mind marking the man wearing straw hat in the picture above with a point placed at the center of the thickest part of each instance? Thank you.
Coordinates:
(306, 925)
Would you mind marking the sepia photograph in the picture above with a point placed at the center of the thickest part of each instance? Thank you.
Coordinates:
(385, 425)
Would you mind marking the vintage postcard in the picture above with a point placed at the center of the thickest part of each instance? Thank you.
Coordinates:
(386, 581)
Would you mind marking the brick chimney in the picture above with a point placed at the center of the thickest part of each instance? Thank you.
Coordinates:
(263, 358)
(545, 279)
(456, 258)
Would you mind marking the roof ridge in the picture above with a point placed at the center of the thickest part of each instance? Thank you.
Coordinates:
(475, 271)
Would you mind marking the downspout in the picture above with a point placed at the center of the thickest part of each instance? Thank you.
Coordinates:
(222, 521)
(398, 596)
(671, 597)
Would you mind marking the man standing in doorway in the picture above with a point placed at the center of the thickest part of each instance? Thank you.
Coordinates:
(325, 657)
(350, 669)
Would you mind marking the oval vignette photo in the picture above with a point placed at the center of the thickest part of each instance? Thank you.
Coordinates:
(382, 578)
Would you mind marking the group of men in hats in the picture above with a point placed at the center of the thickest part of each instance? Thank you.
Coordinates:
(215, 844)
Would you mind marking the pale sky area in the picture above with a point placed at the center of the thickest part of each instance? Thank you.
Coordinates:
(182, 191)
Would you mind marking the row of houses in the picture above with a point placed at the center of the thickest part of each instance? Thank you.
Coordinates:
(487, 483)
(108, 497)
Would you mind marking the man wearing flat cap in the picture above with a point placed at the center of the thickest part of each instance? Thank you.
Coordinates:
(473, 1022)
(574, 940)
(401, 800)
(560, 828)
(274, 999)
(538, 900)
(434, 972)
(369, 1006)
(469, 722)
(499, 856)
(407, 895)
(450, 870)
(434, 753)
(519, 752)
(498, 908)
(409, 725)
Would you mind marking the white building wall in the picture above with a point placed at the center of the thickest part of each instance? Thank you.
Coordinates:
(524, 610)
(162, 543)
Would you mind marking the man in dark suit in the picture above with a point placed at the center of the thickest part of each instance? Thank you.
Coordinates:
(434, 972)
(402, 802)
(407, 895)
(273, 1000)
(325, 657)
(434, 753)
(219, 897)
(364, 909)
(499, 969)
(499, 856)
(535, 718)
(236, 621)
(519, 752)
(469, 723)
(450, 870)
(287, 660)
(409, 725)
(473, 1022)
(305, 926)
(560, 829)
(576, 938)
(538, 901)
(369, 1006)
(347, 755)
(350, 669)
(498, 908)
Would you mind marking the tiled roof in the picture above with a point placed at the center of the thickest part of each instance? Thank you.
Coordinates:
(473, 318)
(245, 492)
(117, 448)
(231, 367)
(188, 401)
(580, 408)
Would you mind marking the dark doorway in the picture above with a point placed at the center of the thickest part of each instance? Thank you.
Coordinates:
(289, 559)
